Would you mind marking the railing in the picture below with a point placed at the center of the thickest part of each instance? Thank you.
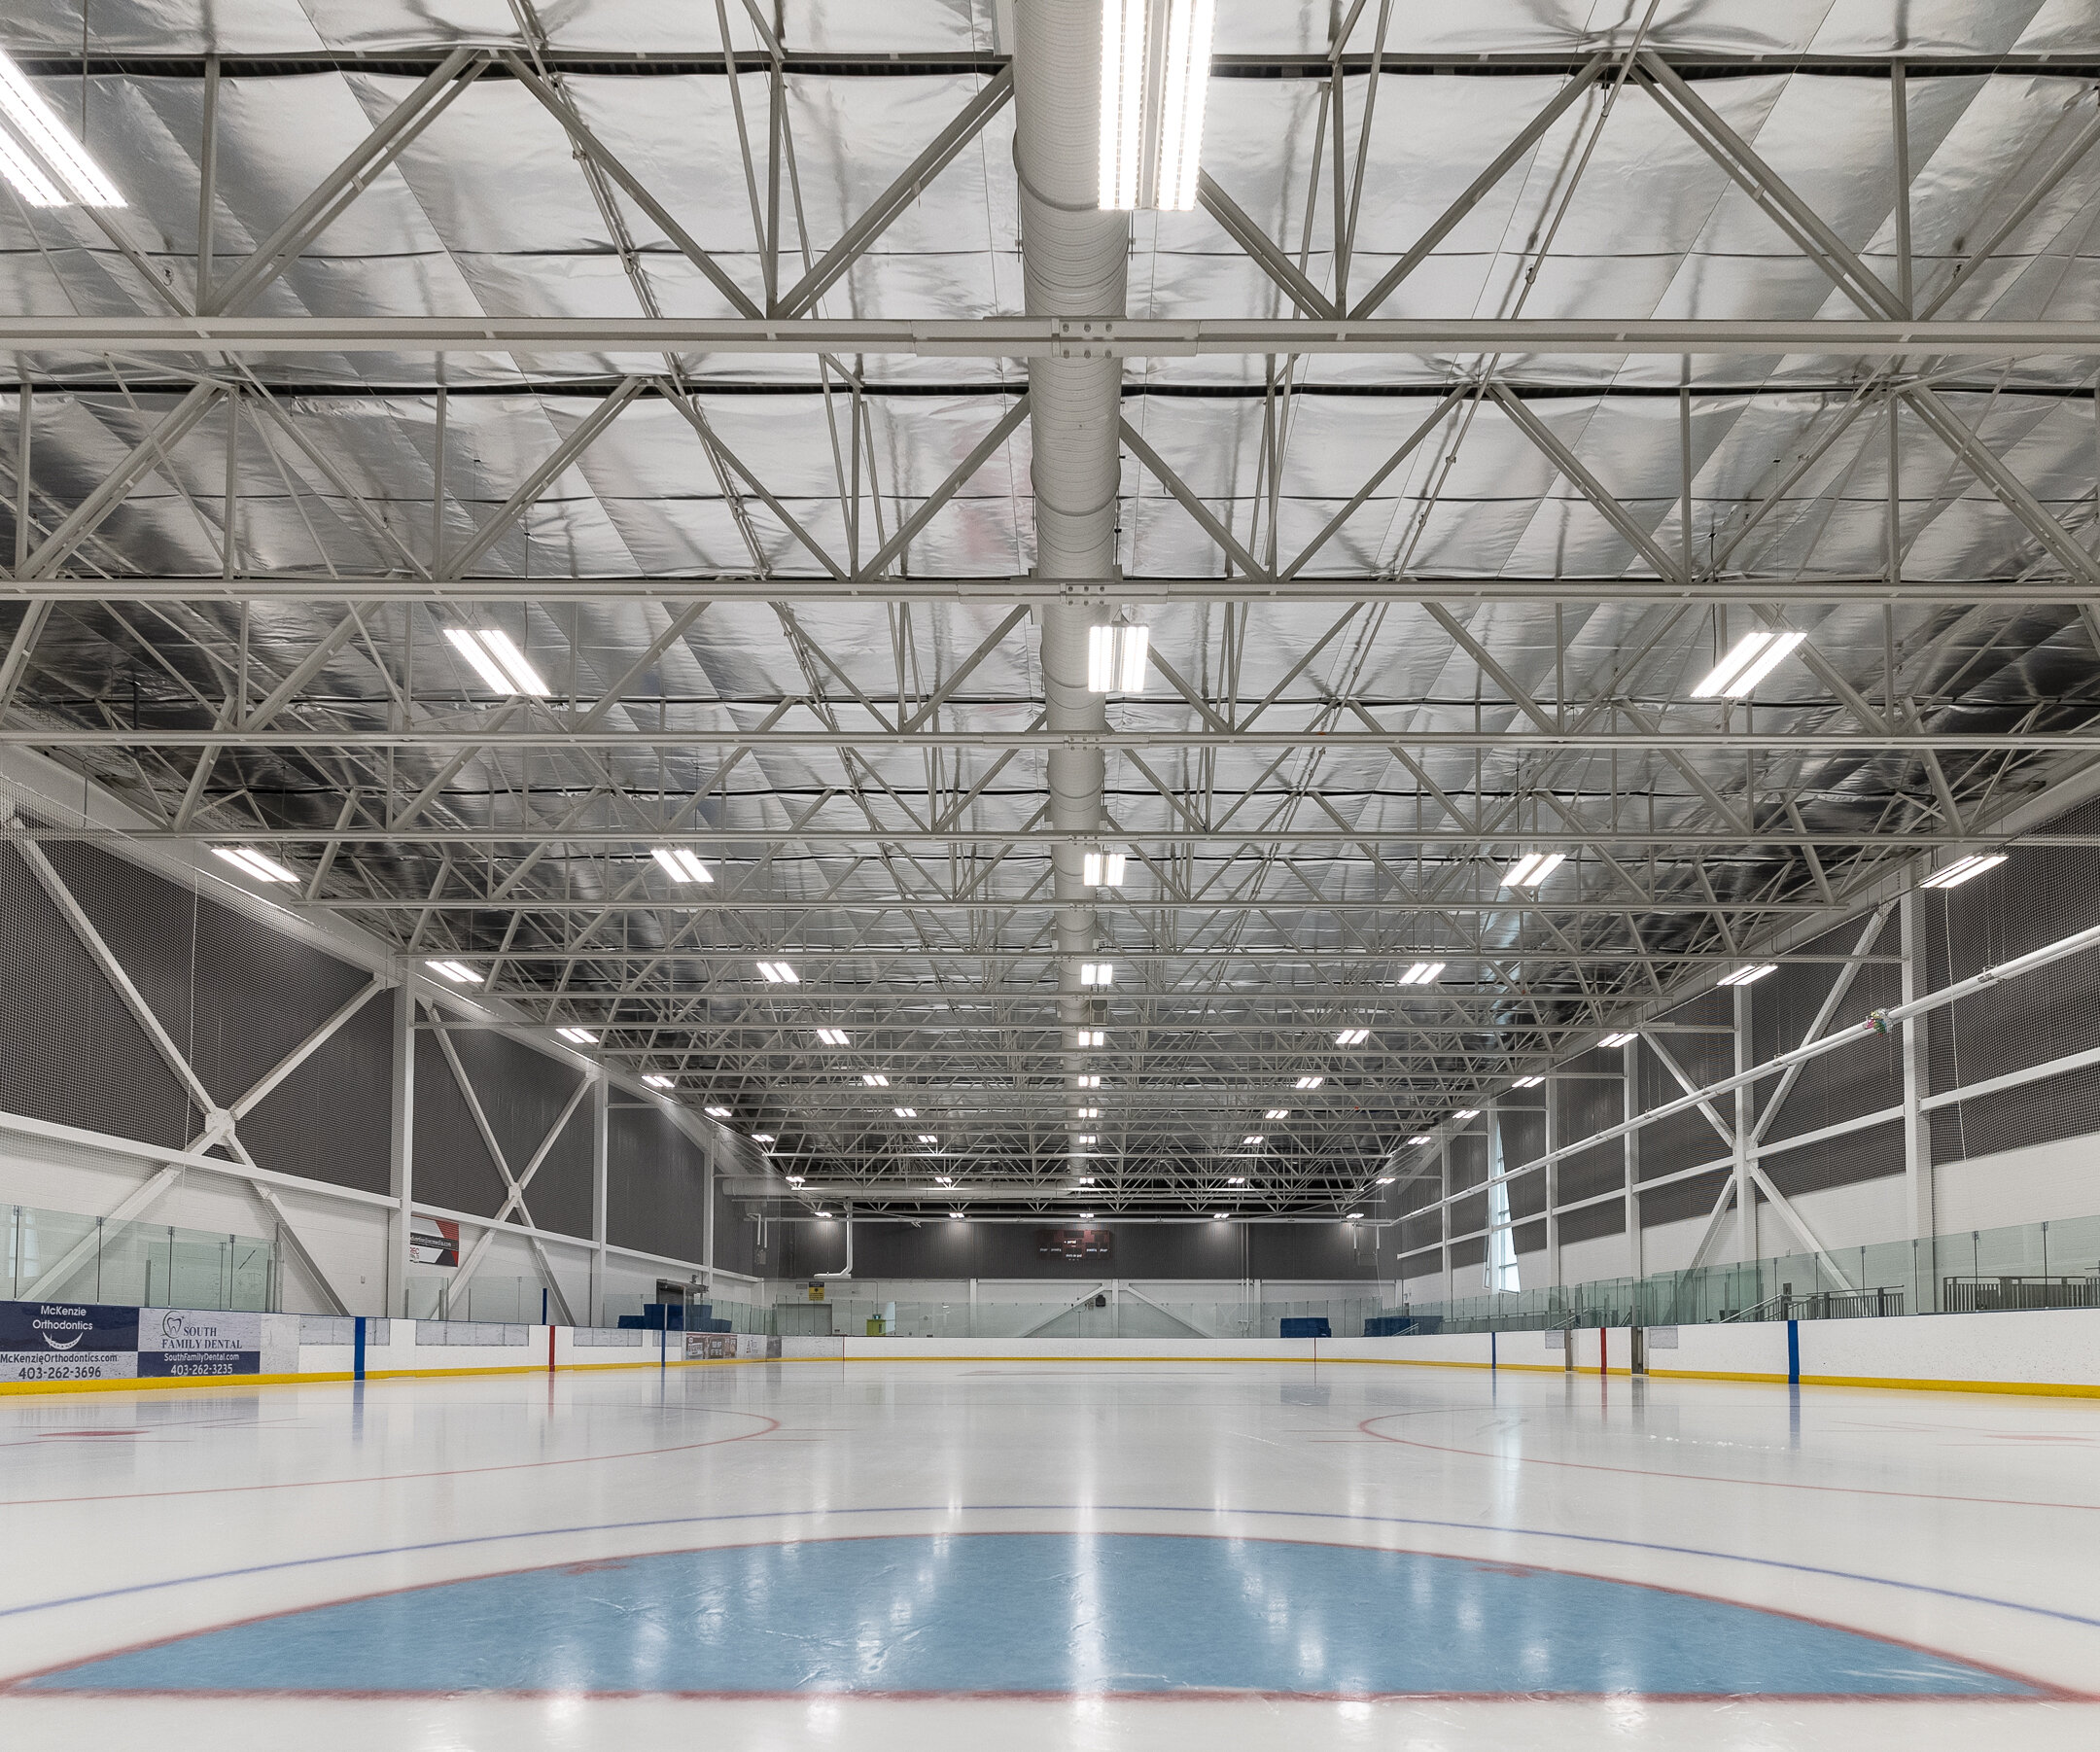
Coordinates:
(57, 1255)
(2002, 1295)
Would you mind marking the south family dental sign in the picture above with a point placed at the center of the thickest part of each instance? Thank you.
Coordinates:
(88, 1341)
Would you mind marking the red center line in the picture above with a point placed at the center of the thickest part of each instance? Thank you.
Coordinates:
(391, 1478)
(1702, 1478)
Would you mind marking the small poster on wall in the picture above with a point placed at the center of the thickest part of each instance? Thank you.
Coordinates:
(67, 1341)
(432, 1240)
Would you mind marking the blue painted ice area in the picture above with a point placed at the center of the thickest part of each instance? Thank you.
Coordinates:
(1046, 1613)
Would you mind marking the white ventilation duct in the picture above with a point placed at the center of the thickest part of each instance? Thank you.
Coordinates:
(1073, 258)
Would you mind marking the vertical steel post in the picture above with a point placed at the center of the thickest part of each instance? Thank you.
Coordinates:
(400, 1151)
(601, 1106)
(1920, 1215)
(1630, 1112)
(1746, 1227)
(1551, 1089)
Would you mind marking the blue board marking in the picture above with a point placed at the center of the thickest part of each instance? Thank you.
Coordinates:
(1039, 1614)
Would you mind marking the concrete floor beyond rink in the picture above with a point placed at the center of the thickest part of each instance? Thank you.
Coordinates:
(1026, 1555)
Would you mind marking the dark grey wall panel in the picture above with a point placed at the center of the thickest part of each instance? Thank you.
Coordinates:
(1687, 1197)
(1593, 1221)
(329, 1120)
(1863, 1155)
(453, 1167)
(654, 1185)
(2039, 1112)
(1602, 1167)
(522, 1093)
(1280, 1252)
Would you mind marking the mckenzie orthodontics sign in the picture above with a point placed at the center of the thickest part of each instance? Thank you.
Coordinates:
(87, 1341)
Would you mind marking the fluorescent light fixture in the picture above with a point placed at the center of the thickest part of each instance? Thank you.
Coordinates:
(931, 1138)
(778, 973)
(1086, 1216)
(1752, 658)
(1533, 868)
(1744, 976)
(682, 864)
(1088, 1113)
(1386, 1179)
(1116, 659)
(577, 1037)
(498, 661)
(715, 1112)
(955, 1217)
(654, 1082)
(1422, 973)
(1620, 1038)
(1416, 1139)
(905, 1113)
(1086, 1082)
(26, 177)
(768, 1137)
(1236, 1180)
(833, 1036)
(252, 863)
(825, 1215)
(1468, 1113)
(1311, 1082)
(1219, 1216)
(1959, 872)
(1103, 869)
(1528, 1082)
(1276, 1113)
(50, 140)
(458, 973)
(1155, 75)
(1086, 1179)
(1254, 1138)
(1096, 973)
(792, 1179)
(1093, 1036)
(1351, 1217)
(874, 1079)
(1352, 1036)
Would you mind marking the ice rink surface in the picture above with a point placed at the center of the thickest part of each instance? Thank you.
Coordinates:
(882, 1556)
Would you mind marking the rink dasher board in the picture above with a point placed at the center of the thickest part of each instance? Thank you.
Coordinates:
(56, 1342)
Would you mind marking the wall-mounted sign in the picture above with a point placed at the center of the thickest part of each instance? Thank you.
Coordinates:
(175, 1340)
(432, 1240)
(67, 1341)
(816, 1292)
(1074, 1244)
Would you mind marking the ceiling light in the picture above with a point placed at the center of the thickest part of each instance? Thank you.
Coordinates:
(50, 141)
(1620, 1038)
(1418, 1140)
(1086, 1179)
(1352, 1036)
(1253, 1138)
(825, 1215)
(1088, 1137)
(1528, 1082)
(1468, 1113)
(1385, 1179)
(874, 1079)
(1088, 1113)
(930, 1137)
(943, 1179)
(1957, 873)
(1237, 1180)
(1276, 1113)
(1533, 868)
(1096, 973)
(955, 1217)
(457, 973)
(681, 865)
(1103, 869)
(1744, 976)
(1093, 1036)
(1086, 1082)
(1116, 659)
(254, 863)
(1351, 1217)
(577, 1037)
(778, 973)
(905, 1113)
(1422, 973)
(1219, 1216)
(1086, 1216)
(1311, 1082)
(715, 1112)
(833, 1036)
(499, 662)
(768, 1137)
(1752, 658)
(1155, 74)
(658, 1082)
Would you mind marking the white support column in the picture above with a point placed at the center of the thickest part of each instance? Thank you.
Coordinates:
(1746, 1235)
(600, 1153)
(1444, 1211)
(1550, 1089)
(706, 1209)
(400, 1151)
(1918, 1202)
(1630, 1112)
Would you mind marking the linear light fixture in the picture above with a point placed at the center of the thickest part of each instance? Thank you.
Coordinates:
(1422, 973)
(1468, 1113)
(1086, 1082)
(458, 973)
(1236, 1180)
(1620, 1038)
(577, 1037)
(654, 1082)
(1096, 973)
(955, 1217)
(1116, 658)
(1254, 1138)
(1750, 660)
(1155, 74)
(905, 1113)
(1351, 1217)
(1533, 868)
(778, 973)
(1960, 871)
(1088, 1137)
(1086, 1216)
(933, 1138)
(52, 152)
(1086, 1179)
(1088, 1113)
(768, 1137)
(1528, 1082)
(499, 662)
(1744, 976)
(1219, 1216)
(1093, 1036)
(1352, 1036)
(1276, 1113)
(874, 1079)
(682, 864)
(715, 1112)
(1311, 1082)
(833, 1036)
(248, 860)
(1417, 1140)
(1103, 869)
(1386, 1179)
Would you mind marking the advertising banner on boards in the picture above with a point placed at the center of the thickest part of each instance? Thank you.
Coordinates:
(67, 1341)
(176, 1340)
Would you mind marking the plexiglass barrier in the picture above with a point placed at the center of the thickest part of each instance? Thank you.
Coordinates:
(56, 1255)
